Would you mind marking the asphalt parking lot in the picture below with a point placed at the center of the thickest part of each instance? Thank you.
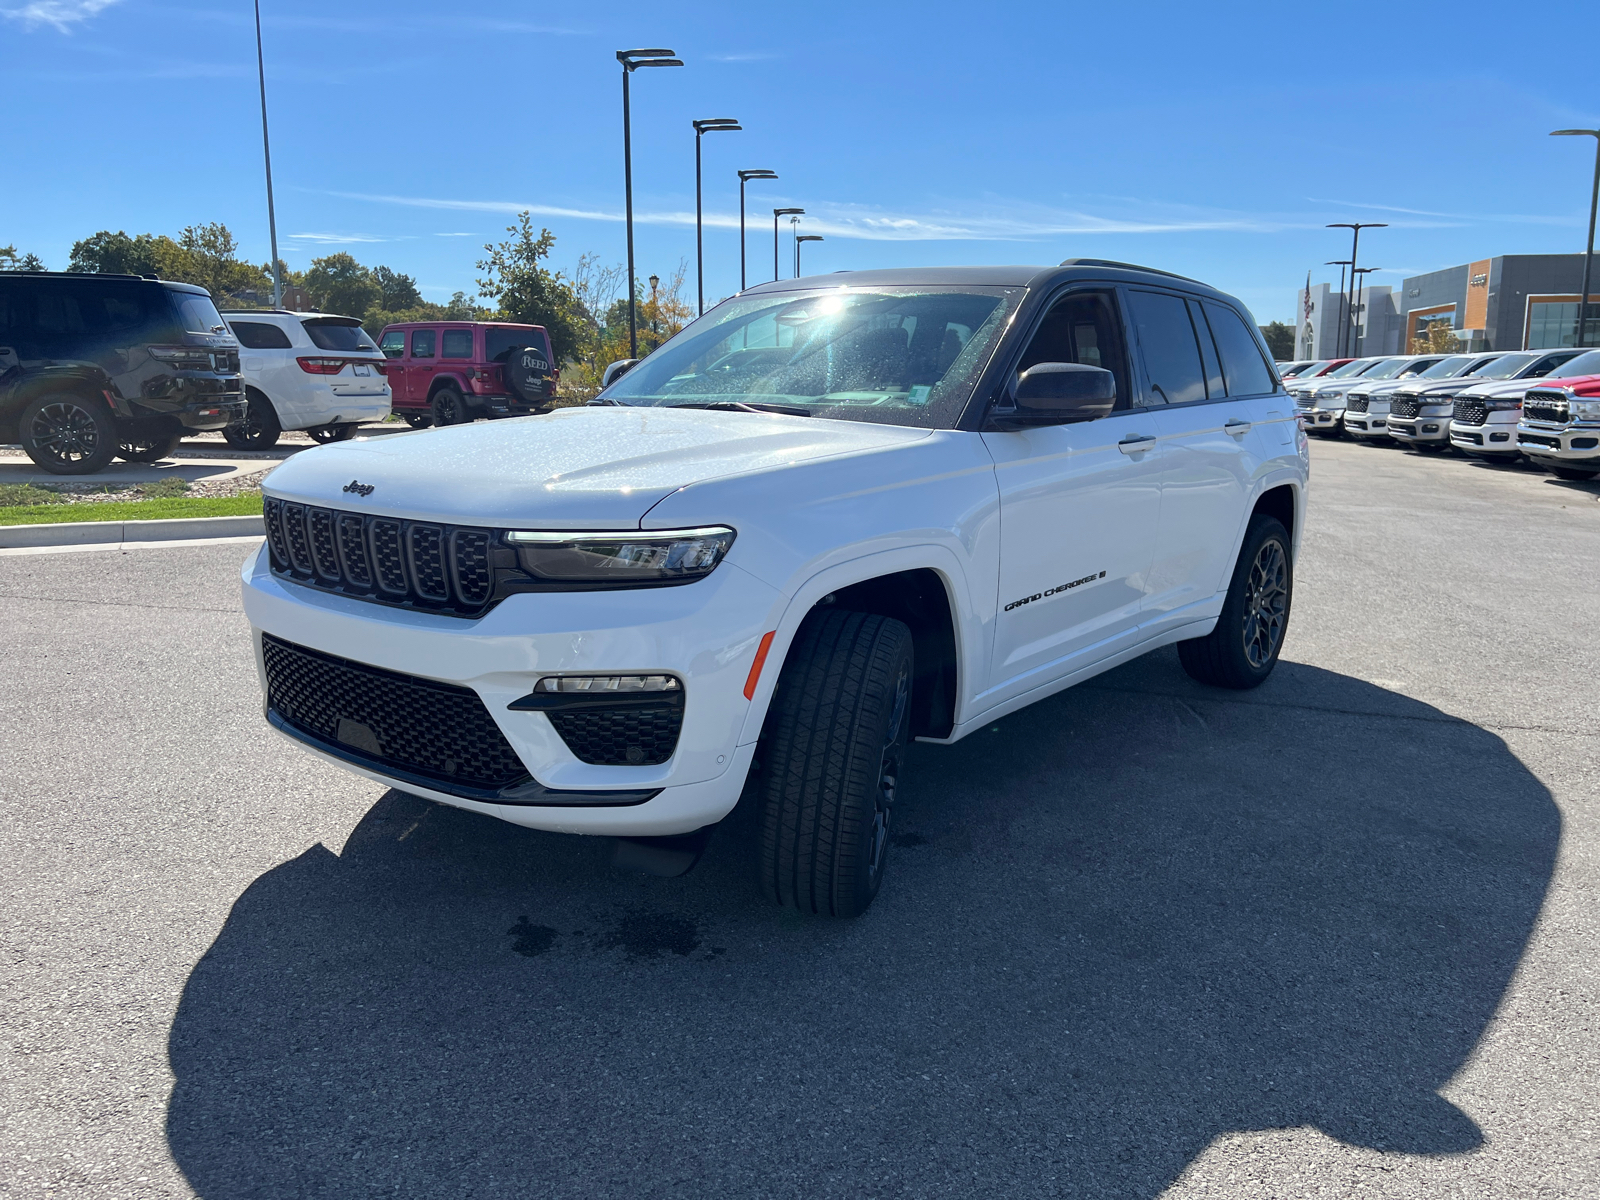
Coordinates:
(1333, 937)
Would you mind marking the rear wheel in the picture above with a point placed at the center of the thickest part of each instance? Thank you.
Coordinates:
(67, 434)
(259, 428)
(831, 762)
(1243, 649)
(1576, 474)
(448, 408)
(149, 449)
(323, 434)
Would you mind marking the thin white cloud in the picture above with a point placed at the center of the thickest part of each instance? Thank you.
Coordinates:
(337, 239)
(61, 15)
(1507, 218)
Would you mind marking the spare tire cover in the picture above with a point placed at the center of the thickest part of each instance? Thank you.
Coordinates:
(528, 375)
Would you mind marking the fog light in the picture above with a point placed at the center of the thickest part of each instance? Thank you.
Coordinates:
(1499, 437)
(607, 684)
(1585, 443)
(1430, 429)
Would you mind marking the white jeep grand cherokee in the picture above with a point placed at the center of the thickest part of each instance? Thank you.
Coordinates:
(831, 515)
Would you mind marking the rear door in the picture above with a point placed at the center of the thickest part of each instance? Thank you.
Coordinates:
(1211, 445)
(1078, 511)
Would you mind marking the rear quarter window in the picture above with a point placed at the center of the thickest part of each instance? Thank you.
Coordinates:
(457, 343)
(259, 335)
(1242, 364)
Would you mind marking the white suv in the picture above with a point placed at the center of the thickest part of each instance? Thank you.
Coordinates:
(831, 515)
(306, 371)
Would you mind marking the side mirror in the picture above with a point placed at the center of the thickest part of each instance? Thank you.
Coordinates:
(1056, 393)
(616, 371)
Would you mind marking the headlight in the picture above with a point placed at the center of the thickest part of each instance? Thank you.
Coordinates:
(1584, 410)
(622, 559)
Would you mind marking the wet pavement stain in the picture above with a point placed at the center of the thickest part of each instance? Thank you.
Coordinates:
(531, 940)
(644, 934)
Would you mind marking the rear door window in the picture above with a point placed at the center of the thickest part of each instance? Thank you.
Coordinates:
(259, 335)
(1171, 349)
(1246, 371)
(1208, 352)
(457, 344)
(423, 343)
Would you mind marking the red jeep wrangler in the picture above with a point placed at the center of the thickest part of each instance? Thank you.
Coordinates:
(451, 372)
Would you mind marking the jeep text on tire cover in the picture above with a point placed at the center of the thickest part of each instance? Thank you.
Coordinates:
(818, 518)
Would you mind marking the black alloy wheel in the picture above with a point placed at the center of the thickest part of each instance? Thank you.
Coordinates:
(1243, 649)
(324, 434)
(68, 435)
(448, 407)
(149, 449)
(259, 429)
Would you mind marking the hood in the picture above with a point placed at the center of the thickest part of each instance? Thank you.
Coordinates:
(1500, 389)
(1578, 385)
(1442, 387)
(1385, 387)
(574, 468)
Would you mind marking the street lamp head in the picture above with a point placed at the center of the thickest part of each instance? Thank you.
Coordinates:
(809, 237)
(784, 212)
(1337, 262)
(1358, 225)
(655, 62)
(655, 280)
(713, 124)
(758, 174)
(647, 58)
(1594, 133)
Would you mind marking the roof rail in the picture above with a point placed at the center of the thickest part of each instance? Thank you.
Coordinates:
(81, 275)
(1108, 262)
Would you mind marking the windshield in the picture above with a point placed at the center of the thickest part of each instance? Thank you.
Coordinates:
(1354, 367)
(197, 313)
(1505, 368)
(1311, 368)
(1480, 368)
(1446, 367)
(1587, 363)
(1386, 370)
(894, 356)
(338, 335)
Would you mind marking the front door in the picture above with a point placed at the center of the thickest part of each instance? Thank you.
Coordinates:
(1078, 511)
(422, 365)
(393, 346)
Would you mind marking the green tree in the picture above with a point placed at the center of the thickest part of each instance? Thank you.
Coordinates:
(397, 291)
(213, 262)
(10, 260)
(531, 293)
(1437, 337)
(108, 253)
(1280, 340)
(339, 284)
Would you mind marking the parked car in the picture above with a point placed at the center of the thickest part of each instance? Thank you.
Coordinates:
(96, 367)
(1483, 421)
(1316, 369)
(1420, 416)
(832, 515)
(310, 371)
(1366, 406)
(1288, 370)
(1320, 401)
(1560, 426)
(450, 372)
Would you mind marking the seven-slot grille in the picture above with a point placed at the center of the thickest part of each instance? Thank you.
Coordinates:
(1356, 404)
(1405, 406)
(1470, 412)
(416, 564)
(416, 726)
(1304, 400)
(1545, 406)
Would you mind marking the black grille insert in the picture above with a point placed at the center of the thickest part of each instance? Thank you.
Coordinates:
(1405, 406)
(632, 735)
(1550, 407)
(1356, 404)
(1470, 412)
(417, 726)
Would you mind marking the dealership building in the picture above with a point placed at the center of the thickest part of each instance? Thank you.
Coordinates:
(1513, 302)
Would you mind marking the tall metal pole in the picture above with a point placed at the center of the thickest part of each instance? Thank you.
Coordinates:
(266, 151)
(776, 213)
(1361, 279)
(627, 188)
(699, 240)
(1355, 228)
(1588, 253)
(742, 182)
(1338, 342)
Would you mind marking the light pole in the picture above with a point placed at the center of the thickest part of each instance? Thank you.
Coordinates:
(744, 178)
(776, 213)
(1355, 228)
(805, 237)
(711, 125)
(655, 312)
(1360, 323)
(1588, 253)
(1338, 342)
(794, 232)
(631, 60)
(266, 151)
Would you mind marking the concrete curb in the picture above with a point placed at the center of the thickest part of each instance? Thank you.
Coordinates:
(111, 533)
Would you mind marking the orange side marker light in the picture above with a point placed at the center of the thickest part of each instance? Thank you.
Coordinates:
(755, 667)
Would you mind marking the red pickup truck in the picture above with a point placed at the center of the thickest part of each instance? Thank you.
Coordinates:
(451, 372)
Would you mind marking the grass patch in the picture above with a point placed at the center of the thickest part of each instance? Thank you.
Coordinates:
(172, 485)
(13, 495)
(133, 510)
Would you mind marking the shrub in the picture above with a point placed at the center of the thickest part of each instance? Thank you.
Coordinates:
(13, 495)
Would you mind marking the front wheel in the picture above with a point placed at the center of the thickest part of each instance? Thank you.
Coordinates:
(1576, 474)
(67, 434)
(1243, 649)
(831, 762)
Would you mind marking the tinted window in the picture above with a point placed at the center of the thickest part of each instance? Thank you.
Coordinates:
(197, 313)
(499, 343)
(393, 343)
(1587, 363)
(1171, 351)
(1247, 372)
(258, 335)
(422, 343)
(457, 343)
(1208, 352)
(338, 335)
(1446, 367)
(78, 320)
(1550, 363)
(1082, 328)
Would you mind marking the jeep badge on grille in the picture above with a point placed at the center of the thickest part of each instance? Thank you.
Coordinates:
(361, 489)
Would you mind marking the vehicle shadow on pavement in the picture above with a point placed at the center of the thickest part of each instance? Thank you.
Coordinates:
(1119, 924)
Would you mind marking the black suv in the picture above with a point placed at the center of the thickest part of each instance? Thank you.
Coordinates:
(96, 367)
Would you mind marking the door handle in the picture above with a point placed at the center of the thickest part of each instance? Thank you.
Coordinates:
(1236, 427)
(1136, 443)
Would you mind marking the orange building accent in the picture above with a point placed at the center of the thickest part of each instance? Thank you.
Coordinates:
(1477, 314)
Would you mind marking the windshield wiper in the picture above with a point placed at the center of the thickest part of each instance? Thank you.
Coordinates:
(788, 410)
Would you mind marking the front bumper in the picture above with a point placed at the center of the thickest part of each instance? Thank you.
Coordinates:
(1321, 420)
(1367, 424)
(1496, 436)
(705, 633)
(1573, 444)
(1426, 428)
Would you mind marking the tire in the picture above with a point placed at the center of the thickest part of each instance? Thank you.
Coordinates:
(526, 372)
(1243, 649)
(149, 449)
(323, 434)
(448, 408)
(1575, 474)
(831, 760)
(260, 428)
(67, 434)
(416, 420)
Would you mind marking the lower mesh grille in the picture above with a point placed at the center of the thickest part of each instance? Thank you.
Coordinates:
(632, 736)
(416, 726)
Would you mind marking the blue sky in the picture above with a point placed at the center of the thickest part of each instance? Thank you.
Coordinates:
(1213, 140)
